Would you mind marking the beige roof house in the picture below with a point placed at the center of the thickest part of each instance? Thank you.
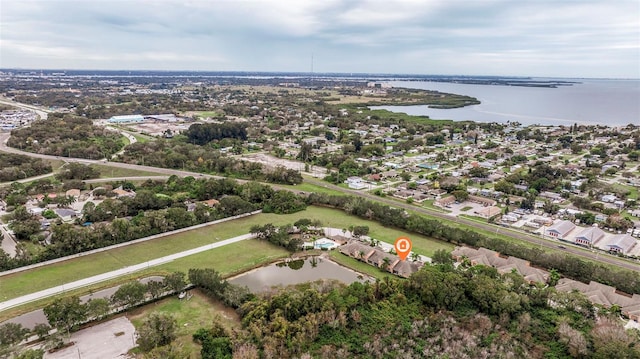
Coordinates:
(604, 295)
(503, 264)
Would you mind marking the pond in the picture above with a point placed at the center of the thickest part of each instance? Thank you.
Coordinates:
(294, 272)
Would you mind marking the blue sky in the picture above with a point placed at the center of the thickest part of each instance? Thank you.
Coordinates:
(564, 38)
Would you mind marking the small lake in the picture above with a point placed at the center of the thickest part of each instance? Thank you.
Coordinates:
(295, 272)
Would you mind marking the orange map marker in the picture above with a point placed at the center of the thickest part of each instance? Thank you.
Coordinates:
(403, 247)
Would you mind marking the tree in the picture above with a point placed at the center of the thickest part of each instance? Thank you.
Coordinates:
(31, 354)
(66, 313)
(460, 195)
(11, 334)
(155, 288)
(98, 308)
(156, 331)
(441, 256)
(209, 280)
(129, 294)
(175, 281)
(359, 231)
(41, 330)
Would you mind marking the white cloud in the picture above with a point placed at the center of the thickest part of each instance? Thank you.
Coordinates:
(532, 37)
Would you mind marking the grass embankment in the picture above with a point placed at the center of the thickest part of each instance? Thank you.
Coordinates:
(359, 266)
(116, 172)
(310, 187)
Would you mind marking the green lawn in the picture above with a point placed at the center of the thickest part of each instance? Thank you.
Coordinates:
(116, 172)
(359, 266)
(310, 187)
(197, 312)
(141, 138)
(208, 113)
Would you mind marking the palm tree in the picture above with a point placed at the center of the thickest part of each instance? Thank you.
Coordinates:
(361, 255)
(385, 263)
(415, 256)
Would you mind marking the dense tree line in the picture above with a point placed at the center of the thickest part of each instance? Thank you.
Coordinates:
(157, 207)
(14, 167)
(570, 266)
(203, 133)
(69, 136)
(438, 312)
(179, 155)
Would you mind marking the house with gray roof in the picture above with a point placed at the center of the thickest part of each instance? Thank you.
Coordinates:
(589, 236)
(621, 243)
(561, 229)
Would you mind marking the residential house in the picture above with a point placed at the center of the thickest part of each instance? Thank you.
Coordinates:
(123, 193)
(502, 263)
(481, 200)
(211, 202)
(604, 295)
(561, 229)
(379, 258)
(355, 182)
(75, 193)
(444, 201)
(488, 212)
(67, 215)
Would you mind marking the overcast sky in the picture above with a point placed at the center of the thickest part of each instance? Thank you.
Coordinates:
(563, 38)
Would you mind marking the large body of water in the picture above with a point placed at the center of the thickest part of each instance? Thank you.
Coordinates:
(295, 272)
(589, 102)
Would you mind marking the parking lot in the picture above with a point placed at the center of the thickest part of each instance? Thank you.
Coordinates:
(112, 339)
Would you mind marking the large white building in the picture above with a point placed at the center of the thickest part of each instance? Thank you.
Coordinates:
(126, 119)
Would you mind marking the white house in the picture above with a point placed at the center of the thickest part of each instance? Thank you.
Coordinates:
(355, 183)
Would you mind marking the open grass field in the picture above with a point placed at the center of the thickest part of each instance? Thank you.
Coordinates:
(141, 138)
(310, 187)
(115, 172)
(78, 268)
(197, 312)
(208, 113)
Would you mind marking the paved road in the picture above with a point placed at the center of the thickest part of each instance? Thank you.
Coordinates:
(553, 245)
(113, 274)
(31, 319)
(38, 110)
